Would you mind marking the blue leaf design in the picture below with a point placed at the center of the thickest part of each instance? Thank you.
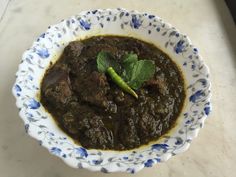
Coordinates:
(159, 146)
(56, 151)
(33, 104)
(125, 158)
(135, 23)
(40, 143)
(17, 88)
(131, 170)
(188, 122)
(185, 115)
(104, 170)
(149, 163)
(94, 11)
(204, 82)
(85, 25)
(26, 128)
(64, 155)
(179, 141)
(207, 110)
(151, 16)
(82, 152)
(43, 53)
(97, 162)
(30, 77)
(193, 67)
(42, 35)
(193, 98)
(179, 47)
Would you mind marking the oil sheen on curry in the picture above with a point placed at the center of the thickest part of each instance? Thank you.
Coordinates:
(113, 92)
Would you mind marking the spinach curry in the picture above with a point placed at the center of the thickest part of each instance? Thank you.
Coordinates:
(96, 110)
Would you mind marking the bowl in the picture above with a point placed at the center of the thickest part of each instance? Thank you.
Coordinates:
(49, 46)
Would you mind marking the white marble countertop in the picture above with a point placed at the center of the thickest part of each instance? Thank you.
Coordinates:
(210, 27)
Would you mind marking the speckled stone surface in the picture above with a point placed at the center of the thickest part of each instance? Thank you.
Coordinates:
(210, 27)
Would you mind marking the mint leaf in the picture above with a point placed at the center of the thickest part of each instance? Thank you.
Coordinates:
(128, 64)
(142, 71)
(135, 72)
(130, 58)
(107, 64)
(106, 60)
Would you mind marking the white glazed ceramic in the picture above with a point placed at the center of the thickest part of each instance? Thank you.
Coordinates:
(48, 47)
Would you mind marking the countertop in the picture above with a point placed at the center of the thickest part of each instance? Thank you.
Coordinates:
(209, 25)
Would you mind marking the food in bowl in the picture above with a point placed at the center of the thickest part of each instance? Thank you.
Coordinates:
(98, 114)
(49, 46)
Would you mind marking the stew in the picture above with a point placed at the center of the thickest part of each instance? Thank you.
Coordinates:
(93, 110)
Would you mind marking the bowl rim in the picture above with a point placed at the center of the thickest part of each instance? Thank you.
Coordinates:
(156, 147)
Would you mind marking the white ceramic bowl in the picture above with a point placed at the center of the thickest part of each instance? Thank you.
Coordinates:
(49, 46)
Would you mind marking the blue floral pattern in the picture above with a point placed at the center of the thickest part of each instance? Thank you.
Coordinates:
(33, 104)
(85, 25)
(40, 125)
(43, 53)
(135, 22)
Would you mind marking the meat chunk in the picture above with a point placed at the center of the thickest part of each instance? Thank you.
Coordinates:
(157, 85)
(93, 89)
(128, 134)
(73, 50)
(100, 138)
(95, 134)
(149, 127)
(70, 123)
(56, 87)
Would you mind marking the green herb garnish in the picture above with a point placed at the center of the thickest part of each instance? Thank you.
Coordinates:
(133, 74)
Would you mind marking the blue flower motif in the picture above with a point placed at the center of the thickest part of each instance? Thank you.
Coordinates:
(179, 47)
(207, 110)
(82, 152)
(43, 53)
(193, 98)
(97, 162)
(33, 104)
(85, 25)
(159, 146)
(56, 151)
(17, 88)
(135, 23)
(149, 163)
